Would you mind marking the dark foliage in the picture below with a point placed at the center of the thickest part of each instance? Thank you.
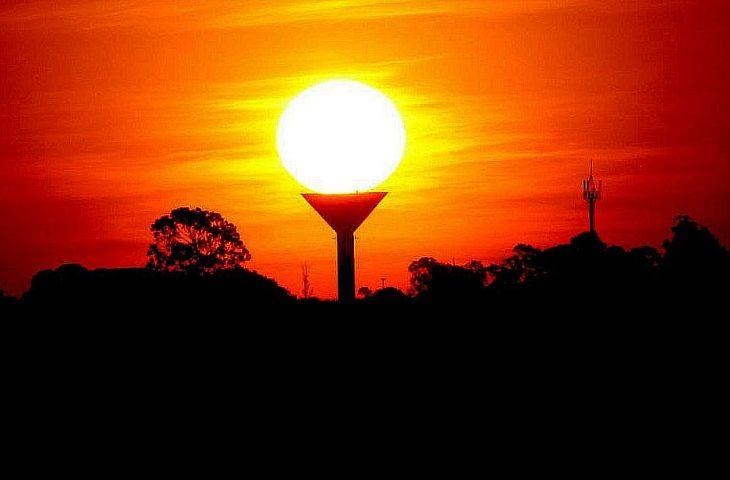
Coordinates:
(196, 241)
(364, 292)
(388, 296)
(694, 258)
(439, 282)
(695, 265)
(138, 288)
(575, 277)
(585, 267)
(6, 300)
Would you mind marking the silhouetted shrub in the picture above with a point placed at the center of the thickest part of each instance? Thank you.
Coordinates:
(694, 259)
(433, 281)
(585, 269)
(388, 296)
(6, 300)
(364, 292)
(106, 289)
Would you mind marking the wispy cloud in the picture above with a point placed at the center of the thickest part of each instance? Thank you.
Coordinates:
(167, 15)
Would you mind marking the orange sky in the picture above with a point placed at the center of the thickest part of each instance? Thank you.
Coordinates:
(113, 113)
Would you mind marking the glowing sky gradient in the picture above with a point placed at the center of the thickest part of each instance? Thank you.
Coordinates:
(113, 113)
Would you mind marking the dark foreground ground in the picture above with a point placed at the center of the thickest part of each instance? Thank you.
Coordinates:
(560, 381)
(573, 360)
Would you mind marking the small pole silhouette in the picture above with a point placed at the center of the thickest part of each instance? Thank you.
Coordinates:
(306, 286)
(591, 194)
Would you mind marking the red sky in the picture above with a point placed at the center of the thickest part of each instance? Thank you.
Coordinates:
(113, 113)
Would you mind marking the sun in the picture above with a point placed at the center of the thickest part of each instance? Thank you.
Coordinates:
(341, 136)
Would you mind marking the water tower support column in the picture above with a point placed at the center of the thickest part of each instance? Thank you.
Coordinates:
(346, 266)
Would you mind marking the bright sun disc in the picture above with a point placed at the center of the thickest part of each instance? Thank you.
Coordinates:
(341, 136)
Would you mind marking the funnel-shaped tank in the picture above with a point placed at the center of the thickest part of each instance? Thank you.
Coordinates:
(344, 212)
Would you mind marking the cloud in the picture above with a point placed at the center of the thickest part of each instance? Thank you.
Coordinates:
(217, 14)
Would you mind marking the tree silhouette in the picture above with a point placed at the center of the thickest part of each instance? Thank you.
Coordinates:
(6, 300)
(586, 268)
(387, 296)
(435, 281)
(195, 241)
(75, 287)
(364, 292)
(692, 246)
(694, 257)
(522, 267)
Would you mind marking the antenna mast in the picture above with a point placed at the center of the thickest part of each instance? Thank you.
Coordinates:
(591, 194)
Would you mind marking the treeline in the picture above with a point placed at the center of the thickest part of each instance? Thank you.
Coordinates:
(691, 266)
